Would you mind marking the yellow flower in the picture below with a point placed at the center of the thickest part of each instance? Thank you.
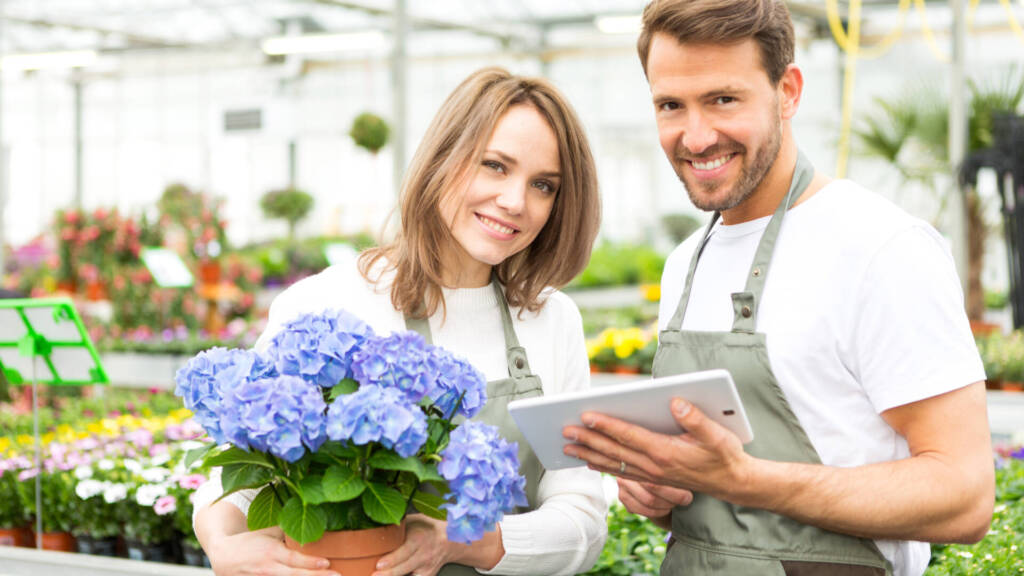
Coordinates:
(651, 292)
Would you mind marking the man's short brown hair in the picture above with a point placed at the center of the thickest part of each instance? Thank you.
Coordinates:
(723, 22)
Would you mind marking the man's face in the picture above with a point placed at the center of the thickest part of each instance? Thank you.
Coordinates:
(718, 115)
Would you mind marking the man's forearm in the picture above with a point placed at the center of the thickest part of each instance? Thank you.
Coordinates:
(920, 498)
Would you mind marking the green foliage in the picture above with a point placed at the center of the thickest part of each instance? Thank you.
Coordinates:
(680, 226)
(290, 205)
(1001, 553)
(284, 262)
(370, 131)
(1003, 356)
(613, 264)
(996, 300)
(634, 546)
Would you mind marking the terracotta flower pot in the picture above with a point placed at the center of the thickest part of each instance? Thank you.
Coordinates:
(16, 537)
(625, 369)
(60, 541)
(354, 552)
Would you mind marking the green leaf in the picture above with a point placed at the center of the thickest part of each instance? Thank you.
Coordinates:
(339, 451)
(192, 456)
(346, 386)
(383, 504)
(341, 484)
(302, 523)
(392, 461)
(311, 490)
(236, 477)
(429, 504)
(264, 510)
(235, 455)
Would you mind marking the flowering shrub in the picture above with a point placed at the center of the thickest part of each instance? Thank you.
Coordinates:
(12, 512)
(340, 429)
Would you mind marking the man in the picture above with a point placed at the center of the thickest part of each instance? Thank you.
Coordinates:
(839, 316)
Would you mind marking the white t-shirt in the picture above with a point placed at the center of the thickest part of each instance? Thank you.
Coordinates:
(862, 311)
(566, 533)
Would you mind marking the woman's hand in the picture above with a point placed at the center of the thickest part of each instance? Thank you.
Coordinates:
(425, 551)
(651, 500)
(263, 553)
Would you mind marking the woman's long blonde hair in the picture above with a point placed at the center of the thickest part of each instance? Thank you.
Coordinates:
(448, 155)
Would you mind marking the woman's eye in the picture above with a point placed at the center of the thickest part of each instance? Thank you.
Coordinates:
(544, 186)
(496, 166)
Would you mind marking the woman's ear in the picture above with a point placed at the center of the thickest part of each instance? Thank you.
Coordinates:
(791, 87)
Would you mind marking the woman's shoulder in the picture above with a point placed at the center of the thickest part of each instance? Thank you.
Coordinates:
(337, 284)
(557, 307)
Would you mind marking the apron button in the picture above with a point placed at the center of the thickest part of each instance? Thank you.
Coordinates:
(745, 311)
(757, 271)
(519, 363)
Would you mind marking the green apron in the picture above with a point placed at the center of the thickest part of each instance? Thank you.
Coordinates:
(713, 536)
(521, 383)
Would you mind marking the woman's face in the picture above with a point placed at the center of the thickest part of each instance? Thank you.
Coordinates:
(507, 199)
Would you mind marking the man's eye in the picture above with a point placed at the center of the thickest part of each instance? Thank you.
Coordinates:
(724, 100)
(668, 106)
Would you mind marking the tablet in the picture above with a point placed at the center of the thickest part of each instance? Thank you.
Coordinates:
(643, 402)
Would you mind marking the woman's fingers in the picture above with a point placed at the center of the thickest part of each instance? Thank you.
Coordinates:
(390, 563)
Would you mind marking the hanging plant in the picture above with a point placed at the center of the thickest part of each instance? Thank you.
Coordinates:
(370, 131)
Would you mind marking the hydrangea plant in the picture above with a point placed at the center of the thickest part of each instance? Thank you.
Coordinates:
(343, 429)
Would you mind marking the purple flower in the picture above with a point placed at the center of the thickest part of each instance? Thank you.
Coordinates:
(1018, 454)
(319, 347)
(482, 470)
(282, 415)
(456, 379)
(375, 414)
(208, 377)
(398, 360)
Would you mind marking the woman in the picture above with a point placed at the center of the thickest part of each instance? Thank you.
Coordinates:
(500, 204)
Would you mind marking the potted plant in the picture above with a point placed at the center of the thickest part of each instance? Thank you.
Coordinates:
(178, 504)
(148, 535)
(342, 430)
(370, 132)
(57, 494)
(289, 204)
(14, 518)
(97, 520)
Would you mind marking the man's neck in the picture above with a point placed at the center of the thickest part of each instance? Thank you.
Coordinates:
(770, 192)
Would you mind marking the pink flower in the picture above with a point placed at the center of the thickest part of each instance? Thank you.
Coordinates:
(192, 481)
(26, 474)
(165, 505)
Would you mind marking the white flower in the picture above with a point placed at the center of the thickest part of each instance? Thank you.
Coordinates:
(147, 494)
(155, 475)
(88, 488)
(160, 459)
(105, 464)
(115, 493)
(83, 472)
(188, 445)
(965, 554)
(133, 466)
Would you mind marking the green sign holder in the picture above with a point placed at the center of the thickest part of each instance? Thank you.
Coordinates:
(45, 331)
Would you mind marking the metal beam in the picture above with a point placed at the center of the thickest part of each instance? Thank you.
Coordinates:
(399, 56)
(958, 136)
(128, 36)
(420, 23)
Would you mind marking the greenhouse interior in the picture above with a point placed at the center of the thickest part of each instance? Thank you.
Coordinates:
(171, 168)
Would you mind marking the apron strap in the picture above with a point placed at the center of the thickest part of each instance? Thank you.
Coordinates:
(745, 303)
(515, 355)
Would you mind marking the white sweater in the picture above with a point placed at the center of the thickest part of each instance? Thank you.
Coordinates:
(566, 533)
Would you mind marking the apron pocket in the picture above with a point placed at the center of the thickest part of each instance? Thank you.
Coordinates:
(682, 560)
(800, 568)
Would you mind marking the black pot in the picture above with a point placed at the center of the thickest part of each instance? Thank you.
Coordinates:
(160, 552)
(193, 555)
(97, 546)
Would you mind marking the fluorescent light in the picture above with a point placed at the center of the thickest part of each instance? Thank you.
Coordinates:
(49, 60)
(312, 43)
(618, 24)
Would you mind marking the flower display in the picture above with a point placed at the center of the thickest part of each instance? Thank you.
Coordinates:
(340, 429)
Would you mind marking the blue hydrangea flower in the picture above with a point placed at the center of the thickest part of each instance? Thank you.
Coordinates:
(482, 470)
(375, 414)
(282, 416)
(319, 347)
(205, 380)
(398, 360)
(455, 378)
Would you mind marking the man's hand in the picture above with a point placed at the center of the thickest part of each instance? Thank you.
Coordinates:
(708, 458)
(653, 501)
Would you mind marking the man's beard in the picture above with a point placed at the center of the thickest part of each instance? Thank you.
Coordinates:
(751, 175)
